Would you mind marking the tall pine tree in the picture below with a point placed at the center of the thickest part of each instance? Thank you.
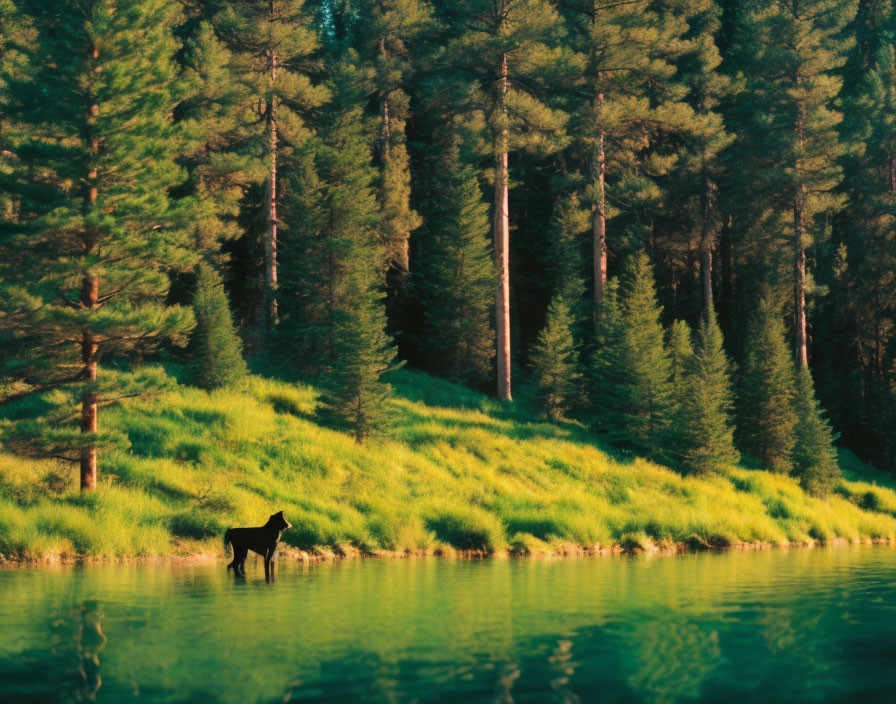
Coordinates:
(795, 48)
(632, 99)
(457, 274)
(272, 45)
(94, 234)
(221, 166)
(390, 29)
(502, 49)
(332, 286)
(862, 314)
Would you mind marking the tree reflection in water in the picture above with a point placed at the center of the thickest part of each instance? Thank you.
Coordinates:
(78, 640)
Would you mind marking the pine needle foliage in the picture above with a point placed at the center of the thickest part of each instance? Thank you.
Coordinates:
(634, 394)
(814, 455)
(215, 351)
(457, 273)
(87, 250)
(766, 416)
(681, 349)
(334, 320)
(554, 362)
(704, 430)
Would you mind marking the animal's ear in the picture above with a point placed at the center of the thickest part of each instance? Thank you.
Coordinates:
(279, 513)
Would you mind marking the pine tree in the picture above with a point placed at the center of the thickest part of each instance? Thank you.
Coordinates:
(634, 397)
(565, 264)
(814, 456)
(766, 417)
(554, 362)
(215, 351)
(363, 352)
(17, 50)
(272, 45)
(681, 350)
(704, 432)
(218, 131)
(605, 381)
(389, 29)
(796, 49)
(633, 99)
(333, 315)
(457, 275)
(693, 195)
(94, 234)
(502, 49)
(861, 319)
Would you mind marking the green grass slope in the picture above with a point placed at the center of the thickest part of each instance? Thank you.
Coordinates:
(455, 471)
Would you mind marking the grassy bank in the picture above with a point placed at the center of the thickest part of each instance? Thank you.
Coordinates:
(456, 472)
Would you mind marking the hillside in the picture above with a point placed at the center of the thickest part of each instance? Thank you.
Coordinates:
(456, 472)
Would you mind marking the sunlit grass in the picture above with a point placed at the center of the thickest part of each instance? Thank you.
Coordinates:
(456, 471)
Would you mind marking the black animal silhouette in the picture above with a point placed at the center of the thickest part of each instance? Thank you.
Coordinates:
(262, 540)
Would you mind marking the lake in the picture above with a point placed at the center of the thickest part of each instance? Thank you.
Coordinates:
(780, 625)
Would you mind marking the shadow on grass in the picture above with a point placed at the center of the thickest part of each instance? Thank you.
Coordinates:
(415, 425)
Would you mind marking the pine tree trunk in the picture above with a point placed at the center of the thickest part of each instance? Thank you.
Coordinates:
(799, 257)
(706, 243)
(799, 282)
(502, 244)
(727, 282)
(89, 300)
(270, 313)
(385, 130)
(891, 177)
(600, 221)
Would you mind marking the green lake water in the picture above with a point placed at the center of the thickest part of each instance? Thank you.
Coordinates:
(798, 625)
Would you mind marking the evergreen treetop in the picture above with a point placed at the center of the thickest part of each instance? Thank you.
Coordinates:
(634, 394)
(814, 455)
(766, 416)
(554, 361)
(704, 429)
(215, 351)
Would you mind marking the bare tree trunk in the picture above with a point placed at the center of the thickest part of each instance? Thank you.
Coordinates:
(270, 313)
(502, 244)
(600, 220)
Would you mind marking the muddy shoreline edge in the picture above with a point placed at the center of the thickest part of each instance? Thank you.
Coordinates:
(347, 552)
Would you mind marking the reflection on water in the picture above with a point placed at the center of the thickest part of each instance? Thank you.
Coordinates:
(78, 638)
(777, 625)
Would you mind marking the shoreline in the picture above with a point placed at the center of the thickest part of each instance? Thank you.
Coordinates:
(340, 553)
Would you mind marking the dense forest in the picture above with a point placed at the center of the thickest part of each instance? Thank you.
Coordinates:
(673, 221)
